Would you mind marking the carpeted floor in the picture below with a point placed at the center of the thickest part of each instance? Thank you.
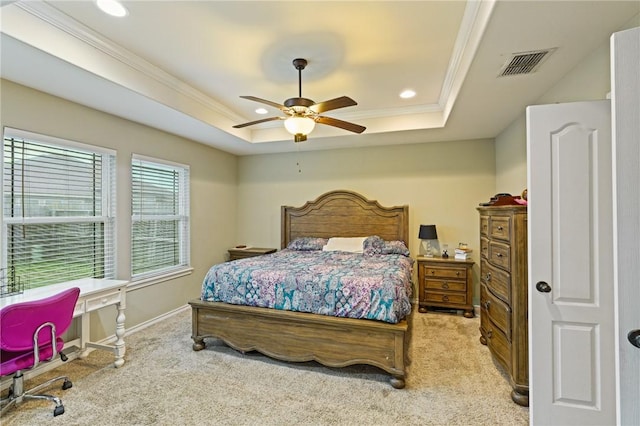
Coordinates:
(451, 380)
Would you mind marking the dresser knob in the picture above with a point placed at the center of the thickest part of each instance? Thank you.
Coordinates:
(488, 277)
(445, 298)
(487, 304)
(489, 333)
(499, 228)
(457, 273)
(445, 285)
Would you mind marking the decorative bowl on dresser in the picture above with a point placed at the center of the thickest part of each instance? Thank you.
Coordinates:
(503, 292)
(445, 283)
(241, 253)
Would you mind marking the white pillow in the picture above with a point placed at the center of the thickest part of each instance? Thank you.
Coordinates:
(350, 244)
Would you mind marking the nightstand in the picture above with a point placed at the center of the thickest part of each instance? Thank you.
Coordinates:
(241, 253)
(446, 283)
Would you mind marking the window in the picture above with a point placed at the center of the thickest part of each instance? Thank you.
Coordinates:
(160, 216)
(58, 209)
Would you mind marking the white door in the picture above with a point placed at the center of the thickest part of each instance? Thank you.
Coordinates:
(571, 292)
(625, 96)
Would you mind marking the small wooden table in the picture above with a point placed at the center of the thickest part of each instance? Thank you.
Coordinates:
(446, 283)
(241, 253)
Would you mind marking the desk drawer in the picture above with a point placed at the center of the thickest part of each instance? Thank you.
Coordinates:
(103, 300)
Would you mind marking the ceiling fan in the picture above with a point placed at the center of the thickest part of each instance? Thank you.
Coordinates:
(302, 114)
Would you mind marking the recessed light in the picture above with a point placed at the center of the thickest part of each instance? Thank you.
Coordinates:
(406, 94)
(261, 111)
(112, 7)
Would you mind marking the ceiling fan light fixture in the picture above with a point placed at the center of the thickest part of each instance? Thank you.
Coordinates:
(297, 125)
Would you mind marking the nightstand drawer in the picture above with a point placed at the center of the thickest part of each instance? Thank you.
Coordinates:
(454, 298)
(500, 255)
(450, 285)
(451, 272)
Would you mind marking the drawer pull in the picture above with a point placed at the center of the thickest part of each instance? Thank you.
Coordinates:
(104, 300)
(489, 333)
(445, 285)
(499, 254)
(487, 304)
(457, 273)
(487, 277)
(433, 272)
(445, 298)
(499, 228)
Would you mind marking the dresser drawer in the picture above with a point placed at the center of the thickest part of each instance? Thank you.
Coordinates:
(499, 345)
(450, 285)
(500, 227)
(484, 225)
(500, 255)
(440, 297)
(496, 310)
(448, 272)
(497, 280)
(484, 247)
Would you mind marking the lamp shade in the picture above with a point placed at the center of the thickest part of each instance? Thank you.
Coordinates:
(428, 232)
(297, 125)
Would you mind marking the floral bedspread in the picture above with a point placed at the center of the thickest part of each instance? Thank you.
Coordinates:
(334, 283)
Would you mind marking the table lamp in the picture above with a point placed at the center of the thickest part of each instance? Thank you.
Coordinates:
(428, 233)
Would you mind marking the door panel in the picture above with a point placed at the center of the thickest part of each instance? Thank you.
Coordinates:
(572, 364)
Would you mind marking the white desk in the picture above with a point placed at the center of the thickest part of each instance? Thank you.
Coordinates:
(94, 294)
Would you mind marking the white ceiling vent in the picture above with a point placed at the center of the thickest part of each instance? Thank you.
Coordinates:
(524, 62)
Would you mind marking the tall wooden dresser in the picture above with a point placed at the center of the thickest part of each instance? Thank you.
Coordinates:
(503, 292)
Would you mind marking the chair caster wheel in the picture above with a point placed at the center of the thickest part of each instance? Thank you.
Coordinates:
(58, 410)
(66, 385)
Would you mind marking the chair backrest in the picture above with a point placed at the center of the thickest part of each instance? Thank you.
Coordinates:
(18, 322)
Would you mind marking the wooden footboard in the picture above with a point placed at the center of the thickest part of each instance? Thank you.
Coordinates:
(299, 337)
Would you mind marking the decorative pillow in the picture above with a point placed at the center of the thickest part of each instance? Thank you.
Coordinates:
(307, 244)
(373, 245)
(395, 247)
(350, 244)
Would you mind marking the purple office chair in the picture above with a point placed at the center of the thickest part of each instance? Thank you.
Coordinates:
(29, 334)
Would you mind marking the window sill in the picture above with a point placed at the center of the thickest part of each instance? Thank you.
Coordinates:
(156, 279)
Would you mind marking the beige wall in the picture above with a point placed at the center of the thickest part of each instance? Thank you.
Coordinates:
(213, 190)
(442, 182)
(589, 80)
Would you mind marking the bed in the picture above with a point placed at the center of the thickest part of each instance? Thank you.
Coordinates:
(302, 336)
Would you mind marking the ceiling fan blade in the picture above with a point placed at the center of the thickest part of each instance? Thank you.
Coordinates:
(342, 124)
(264, 101)
(251, 123)
(341, 102)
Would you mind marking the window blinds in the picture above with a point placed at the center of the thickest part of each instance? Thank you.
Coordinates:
(58, 211)
(160, 216)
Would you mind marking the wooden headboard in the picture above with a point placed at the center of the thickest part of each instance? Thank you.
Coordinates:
(344, 213)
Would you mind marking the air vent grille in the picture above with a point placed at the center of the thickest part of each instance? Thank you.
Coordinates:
(524, 63)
